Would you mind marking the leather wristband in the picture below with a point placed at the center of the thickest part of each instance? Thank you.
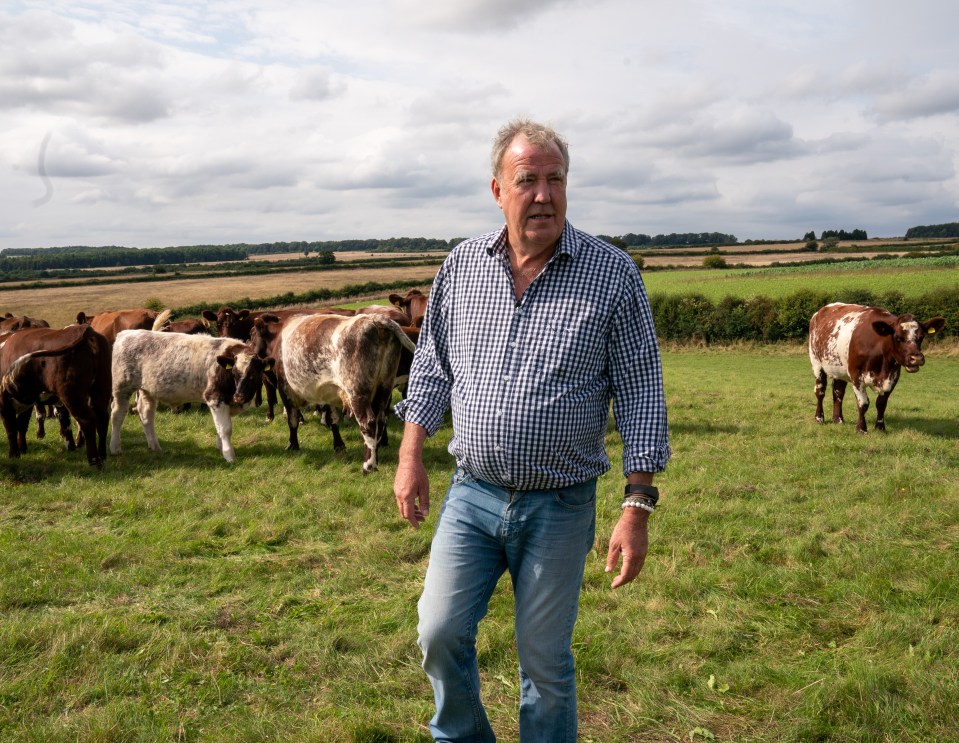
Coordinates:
(649, 491)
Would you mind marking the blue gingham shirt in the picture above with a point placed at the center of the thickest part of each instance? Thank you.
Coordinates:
(529, 383)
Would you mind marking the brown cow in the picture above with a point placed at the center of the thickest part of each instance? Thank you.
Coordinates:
(413, 304)
(867, 346)
(71, 365)
(338, 361)
(238, 324)
(109, 323)
(10, 322)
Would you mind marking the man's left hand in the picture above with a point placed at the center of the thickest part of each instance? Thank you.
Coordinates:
(630, 541)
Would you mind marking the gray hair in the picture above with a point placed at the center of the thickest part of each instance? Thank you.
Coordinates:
(540, 135)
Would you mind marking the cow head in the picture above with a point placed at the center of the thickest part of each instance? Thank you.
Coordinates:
(906, 334)
(231, 323)
(238, 377)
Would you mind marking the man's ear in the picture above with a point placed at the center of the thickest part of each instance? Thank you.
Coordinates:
(494, 187)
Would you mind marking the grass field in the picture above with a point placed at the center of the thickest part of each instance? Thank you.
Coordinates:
(802, 581)
(911, 277)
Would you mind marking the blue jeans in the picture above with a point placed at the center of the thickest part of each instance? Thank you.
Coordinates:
(542, 537)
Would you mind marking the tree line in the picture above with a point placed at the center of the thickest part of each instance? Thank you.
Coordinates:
(950, 229)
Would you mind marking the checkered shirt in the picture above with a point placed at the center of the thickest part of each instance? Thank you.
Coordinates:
(529, 383)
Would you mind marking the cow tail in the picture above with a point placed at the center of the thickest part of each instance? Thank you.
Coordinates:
(161, 319)
(403, 337)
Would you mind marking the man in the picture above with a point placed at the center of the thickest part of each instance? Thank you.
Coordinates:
(529, 332)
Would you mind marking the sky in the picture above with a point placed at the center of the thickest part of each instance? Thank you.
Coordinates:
(150, 124)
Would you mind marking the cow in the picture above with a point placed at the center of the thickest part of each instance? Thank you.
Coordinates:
(413, 304)
(187, 327)
(347, 362)
(109, 323)
(867, 346)
(16, 322)
(173, 368)
(239, 324)
(71, 366)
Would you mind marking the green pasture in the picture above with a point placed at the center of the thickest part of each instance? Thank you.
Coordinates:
(910, 277)
(802, 582)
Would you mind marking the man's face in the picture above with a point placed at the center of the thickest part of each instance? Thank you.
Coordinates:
(531, 191)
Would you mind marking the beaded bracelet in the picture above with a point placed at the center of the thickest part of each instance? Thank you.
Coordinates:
(647, 504)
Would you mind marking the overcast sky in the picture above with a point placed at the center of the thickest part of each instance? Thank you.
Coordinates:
(157, 123)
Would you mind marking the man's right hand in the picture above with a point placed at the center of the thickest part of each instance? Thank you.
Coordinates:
(412, 485)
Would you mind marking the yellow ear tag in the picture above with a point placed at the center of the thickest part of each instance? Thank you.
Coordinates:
(267, 367)
(932, 331)
(228, 367)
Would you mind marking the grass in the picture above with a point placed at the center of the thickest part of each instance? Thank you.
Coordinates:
(801, 585)
(911, 277)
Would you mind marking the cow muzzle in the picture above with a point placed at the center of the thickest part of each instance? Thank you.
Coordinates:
(913, 362)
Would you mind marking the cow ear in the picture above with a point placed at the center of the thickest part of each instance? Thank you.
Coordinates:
(882, 328)
(226, 360)
(396, 299)
(209, 315)
(935, 325)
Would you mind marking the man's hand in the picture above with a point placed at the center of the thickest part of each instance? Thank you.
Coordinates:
(412, 485)
(630, 541)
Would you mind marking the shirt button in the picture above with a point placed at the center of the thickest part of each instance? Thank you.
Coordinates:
(499, 413)
(506, 377)
(497, 448)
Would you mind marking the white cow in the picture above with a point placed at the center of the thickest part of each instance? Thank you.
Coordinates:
(175, 369)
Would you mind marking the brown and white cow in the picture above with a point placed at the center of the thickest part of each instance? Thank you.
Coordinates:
(867, 346)
(347, 362)
(109, 323)
(70, 366)
(173, 368)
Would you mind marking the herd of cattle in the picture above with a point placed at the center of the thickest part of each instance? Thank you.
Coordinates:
(338, 360)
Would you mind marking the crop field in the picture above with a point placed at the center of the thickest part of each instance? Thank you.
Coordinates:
(801, 584)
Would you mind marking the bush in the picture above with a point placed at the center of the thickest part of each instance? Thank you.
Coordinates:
(714, 261)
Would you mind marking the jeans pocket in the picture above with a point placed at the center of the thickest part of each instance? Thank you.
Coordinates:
(460, 476)
(577, 497)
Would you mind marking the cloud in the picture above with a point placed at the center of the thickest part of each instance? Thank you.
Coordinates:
(472, 15)
(928, 95)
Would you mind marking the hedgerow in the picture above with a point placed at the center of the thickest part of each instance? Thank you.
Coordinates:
(695, 318)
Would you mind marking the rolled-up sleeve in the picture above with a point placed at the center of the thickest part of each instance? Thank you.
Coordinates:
(639, 402)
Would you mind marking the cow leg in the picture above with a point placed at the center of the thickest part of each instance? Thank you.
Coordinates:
(41, 414)
(270, 401)
(366, 419)
(10, 420)
(838, 393)
(146, 409)
(862, 403)
(881, 401)
(224, 430)
(820, 391)
(293, 421)
(121, 403)
(66, 429)
(100, 401)
(80, 409)
(23, 423)
(331, 419)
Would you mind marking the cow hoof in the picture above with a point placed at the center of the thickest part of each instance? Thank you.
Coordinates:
(820, 419)
(291, 447)
(41, 434)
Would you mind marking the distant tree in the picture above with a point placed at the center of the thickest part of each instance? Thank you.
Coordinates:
(714, 260)
(811, 235)
(949, 229)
